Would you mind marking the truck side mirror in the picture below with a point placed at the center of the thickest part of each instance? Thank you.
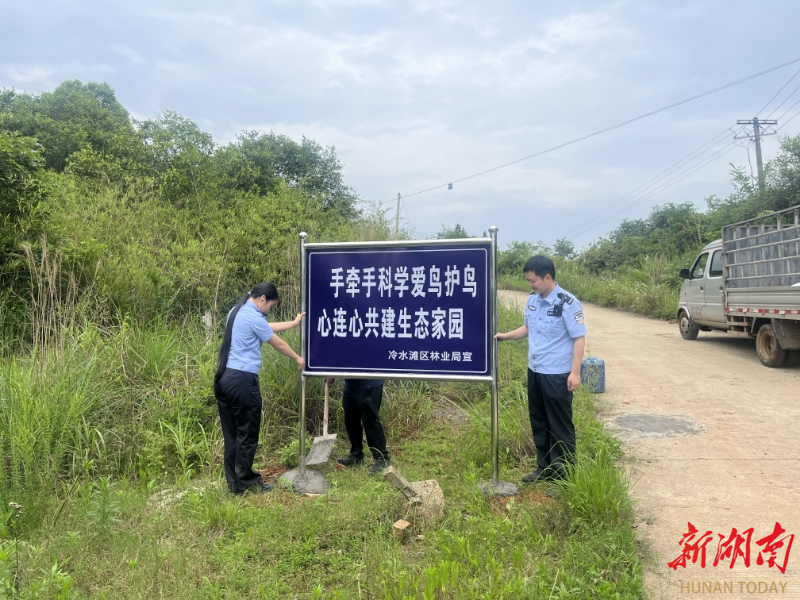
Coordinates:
(685, 274)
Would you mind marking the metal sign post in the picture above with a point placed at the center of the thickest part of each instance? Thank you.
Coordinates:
(495, 486)
(304, 481)
(412, 309)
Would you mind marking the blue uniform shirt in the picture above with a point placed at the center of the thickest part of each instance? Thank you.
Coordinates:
(250, 330)
(551, 337)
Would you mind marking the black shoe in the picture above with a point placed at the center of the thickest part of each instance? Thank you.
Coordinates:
(258, 488)
(379, 465)
(539, 475)
(351, 461)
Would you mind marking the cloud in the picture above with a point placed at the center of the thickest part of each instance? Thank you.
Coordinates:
(128, 53)
(20, 74)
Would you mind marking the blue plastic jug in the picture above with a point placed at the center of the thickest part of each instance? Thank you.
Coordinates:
(593, 374)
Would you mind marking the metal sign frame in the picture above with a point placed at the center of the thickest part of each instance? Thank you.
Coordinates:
(490, 325)
(494, 486)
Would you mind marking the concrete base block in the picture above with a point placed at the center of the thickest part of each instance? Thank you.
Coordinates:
(307, 481)
(501, 488)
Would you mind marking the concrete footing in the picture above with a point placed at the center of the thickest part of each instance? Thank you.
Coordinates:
(307, 481)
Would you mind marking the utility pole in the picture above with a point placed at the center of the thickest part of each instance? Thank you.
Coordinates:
(756, 136)
(397, 218)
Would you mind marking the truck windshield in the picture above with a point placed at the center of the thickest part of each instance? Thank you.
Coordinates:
(699, 267)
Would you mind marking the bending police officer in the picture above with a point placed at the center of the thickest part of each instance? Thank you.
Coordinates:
(236, 385)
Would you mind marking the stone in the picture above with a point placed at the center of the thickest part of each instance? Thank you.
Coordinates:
(431, 506)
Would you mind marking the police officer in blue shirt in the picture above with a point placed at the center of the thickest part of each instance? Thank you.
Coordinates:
(236, 382)
(556, 332)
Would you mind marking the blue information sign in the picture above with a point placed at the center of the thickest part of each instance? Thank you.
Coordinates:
(399, 309)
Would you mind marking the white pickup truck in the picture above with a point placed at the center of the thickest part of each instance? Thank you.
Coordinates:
(748, 284)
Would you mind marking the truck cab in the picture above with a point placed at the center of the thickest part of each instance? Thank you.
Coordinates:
(748, 284)
(701, 306)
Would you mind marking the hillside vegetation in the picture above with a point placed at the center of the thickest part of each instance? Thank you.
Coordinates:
(117, 237)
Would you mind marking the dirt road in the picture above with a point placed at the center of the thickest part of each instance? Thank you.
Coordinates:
(713, 438)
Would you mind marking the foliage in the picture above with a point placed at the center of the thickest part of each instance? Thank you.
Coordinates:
(153, 217)
(24, 189)
(452, 233)
(564, 247)
(73, 117)
(512, 260)
(176, 533)
(109, 435)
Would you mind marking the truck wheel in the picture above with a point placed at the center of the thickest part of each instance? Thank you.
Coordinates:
(769, 351)
(688, 329)
(793, 359)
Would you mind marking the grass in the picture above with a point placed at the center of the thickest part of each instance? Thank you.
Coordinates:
(135, 505)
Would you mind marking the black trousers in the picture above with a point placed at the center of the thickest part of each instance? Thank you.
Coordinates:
(361, 407)
(239, 403)
(550, 409)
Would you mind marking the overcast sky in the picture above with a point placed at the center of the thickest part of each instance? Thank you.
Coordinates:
(420, 93)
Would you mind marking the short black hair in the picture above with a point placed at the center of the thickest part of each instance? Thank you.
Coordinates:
(541, 266)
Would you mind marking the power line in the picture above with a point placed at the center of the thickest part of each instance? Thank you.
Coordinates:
(588, 225)
(790, 120)
(669, 183)
(684, 162)
(776, 95)
(787, 110)
(784, 101)
(605, 130)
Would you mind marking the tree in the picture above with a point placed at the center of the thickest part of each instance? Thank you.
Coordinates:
(307, 166)
(564, 247)
(72, 117)
(454, 233)
(512, 260)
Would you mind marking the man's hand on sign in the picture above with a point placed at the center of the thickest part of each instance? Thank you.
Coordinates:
(515, 334)
(298, 319)
(300, 363)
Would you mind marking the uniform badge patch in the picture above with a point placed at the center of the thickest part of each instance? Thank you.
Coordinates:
(579, 318)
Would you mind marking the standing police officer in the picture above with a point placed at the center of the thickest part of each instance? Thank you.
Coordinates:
(556, 332)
